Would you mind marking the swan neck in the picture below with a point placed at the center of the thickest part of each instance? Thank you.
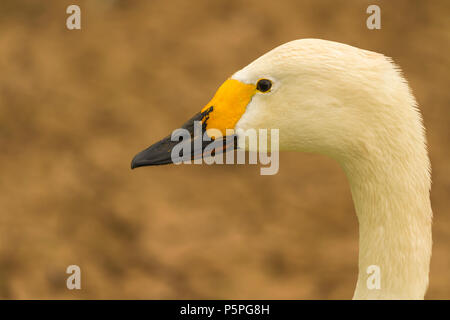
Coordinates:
(391, 198)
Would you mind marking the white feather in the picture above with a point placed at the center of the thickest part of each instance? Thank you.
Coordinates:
(355, 106)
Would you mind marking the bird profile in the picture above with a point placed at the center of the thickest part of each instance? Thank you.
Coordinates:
(356, 107)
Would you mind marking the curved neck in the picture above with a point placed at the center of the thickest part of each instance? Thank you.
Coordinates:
(391, 198)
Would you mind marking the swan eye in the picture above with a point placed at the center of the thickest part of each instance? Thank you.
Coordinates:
(264, 85)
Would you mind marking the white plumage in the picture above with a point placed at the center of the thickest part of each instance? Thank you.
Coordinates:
(354, 106)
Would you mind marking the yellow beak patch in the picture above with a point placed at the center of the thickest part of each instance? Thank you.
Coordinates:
(229, 104)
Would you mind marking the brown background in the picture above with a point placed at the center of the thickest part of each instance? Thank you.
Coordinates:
(75, 107)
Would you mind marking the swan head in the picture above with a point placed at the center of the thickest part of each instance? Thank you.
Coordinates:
(355, 106)
(323, 96)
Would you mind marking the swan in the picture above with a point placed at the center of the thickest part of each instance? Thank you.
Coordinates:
(354, 106)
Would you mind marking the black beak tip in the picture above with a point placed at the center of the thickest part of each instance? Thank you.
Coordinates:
(141, 160)
(161, 152)
(150, 157)
(133, 164)
(138, 162)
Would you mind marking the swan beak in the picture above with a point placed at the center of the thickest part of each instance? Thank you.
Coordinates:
(221, 113)
(161, 152)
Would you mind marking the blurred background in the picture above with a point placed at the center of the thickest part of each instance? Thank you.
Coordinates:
(76, 106)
